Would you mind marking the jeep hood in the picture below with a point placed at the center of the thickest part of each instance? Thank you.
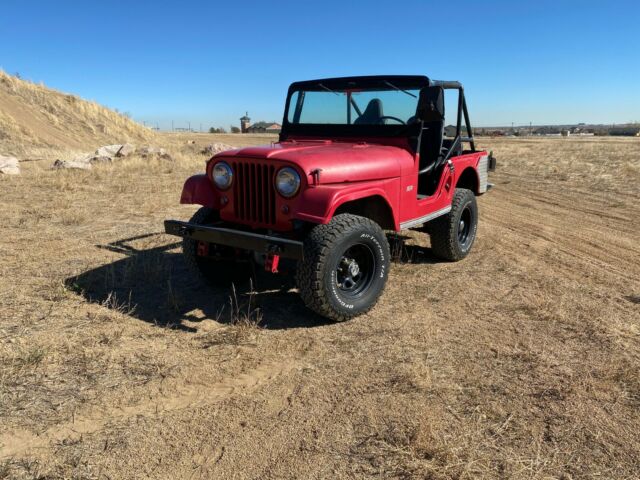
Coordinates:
(339, 161)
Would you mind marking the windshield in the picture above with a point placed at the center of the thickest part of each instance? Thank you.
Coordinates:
(379, 106)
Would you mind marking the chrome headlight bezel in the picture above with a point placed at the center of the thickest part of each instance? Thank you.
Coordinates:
(292, 173)
(226, 173)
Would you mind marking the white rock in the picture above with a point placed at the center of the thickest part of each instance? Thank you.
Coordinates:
(147, 152)
(126, 150)
(216, 148)
(108, 150)
(9, 165)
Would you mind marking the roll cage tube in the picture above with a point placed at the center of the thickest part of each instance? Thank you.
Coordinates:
(462, 111)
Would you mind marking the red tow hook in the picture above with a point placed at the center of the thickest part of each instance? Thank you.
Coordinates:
(271, 262)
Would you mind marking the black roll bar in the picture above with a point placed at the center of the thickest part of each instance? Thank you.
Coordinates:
(462, 112)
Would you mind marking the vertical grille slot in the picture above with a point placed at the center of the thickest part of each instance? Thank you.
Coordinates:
(254, 196)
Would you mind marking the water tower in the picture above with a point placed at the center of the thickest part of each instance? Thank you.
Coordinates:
(245, 123)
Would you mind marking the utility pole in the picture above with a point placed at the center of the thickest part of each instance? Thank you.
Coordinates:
(189, 125)
(172, 125)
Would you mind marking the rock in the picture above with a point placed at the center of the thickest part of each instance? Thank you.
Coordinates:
(72, 164)
(100, 159)
(126, 150)
(148, 152)
(108, 150)
(216, 148)
(9, 165)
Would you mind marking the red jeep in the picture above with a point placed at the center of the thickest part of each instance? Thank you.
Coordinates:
(356, 156)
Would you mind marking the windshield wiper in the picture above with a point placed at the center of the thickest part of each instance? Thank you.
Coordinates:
(399, 89)
(328, 89)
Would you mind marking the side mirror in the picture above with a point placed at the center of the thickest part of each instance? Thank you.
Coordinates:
(431, 104)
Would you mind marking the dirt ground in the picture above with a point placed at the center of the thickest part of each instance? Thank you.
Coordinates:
(522, 361)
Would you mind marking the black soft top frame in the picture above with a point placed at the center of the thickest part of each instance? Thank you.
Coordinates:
(382, 82)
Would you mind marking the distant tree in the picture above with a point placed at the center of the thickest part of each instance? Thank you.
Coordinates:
(18, 75)
(217, 130)
(234, 129)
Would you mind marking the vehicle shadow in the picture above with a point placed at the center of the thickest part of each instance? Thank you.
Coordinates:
(155, 286)
(403, 253)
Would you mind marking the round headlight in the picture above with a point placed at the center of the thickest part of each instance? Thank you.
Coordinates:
(287, 182)
(222, 175)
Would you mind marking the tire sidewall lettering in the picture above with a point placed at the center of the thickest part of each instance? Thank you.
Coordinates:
(381, 269)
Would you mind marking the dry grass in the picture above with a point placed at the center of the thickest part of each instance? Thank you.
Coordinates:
(520, 362)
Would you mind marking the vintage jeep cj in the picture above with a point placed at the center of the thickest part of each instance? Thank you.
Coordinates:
(356, 156)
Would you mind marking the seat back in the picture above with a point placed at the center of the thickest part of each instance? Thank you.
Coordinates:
(372, 114)
(431, 142)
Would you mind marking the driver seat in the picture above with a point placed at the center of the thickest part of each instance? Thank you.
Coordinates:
(372, 115)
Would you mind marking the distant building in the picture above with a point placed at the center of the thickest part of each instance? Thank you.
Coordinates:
(264, 127)
(245, 123)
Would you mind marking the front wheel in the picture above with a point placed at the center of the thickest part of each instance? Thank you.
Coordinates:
(345, 267)
(452, 235)
(215, 264)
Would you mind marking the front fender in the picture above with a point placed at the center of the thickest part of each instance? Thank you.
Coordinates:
(199, 190)
(317, 204)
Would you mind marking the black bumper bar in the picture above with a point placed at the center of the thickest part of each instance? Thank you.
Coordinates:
(235, 238)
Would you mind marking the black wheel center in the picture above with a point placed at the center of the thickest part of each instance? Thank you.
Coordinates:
(355, 270)
(464, 227)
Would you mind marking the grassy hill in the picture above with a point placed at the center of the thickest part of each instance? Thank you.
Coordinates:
(37, 121)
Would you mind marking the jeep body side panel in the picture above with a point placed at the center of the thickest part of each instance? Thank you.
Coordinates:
(419, 210)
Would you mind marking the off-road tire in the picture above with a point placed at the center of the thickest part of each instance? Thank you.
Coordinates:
(446, 243)
(219, 273)
(325, 249)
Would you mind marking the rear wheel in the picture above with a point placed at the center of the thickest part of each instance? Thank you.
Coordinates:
(452, 235)
(215, 264)
(345, 267)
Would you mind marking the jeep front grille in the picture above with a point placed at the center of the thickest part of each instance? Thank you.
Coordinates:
(254, 195)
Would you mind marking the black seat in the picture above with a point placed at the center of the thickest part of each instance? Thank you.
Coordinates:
(431, 146)
(372, 114)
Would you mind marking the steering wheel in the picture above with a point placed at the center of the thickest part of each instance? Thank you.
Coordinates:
(389, 117)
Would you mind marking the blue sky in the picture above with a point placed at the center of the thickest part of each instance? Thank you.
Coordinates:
(209, 62)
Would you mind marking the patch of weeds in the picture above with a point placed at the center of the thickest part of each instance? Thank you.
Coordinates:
(31, 357)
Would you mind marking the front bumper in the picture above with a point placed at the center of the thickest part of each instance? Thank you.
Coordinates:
(267, 244)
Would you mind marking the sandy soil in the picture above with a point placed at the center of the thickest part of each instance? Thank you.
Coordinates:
(522, 361)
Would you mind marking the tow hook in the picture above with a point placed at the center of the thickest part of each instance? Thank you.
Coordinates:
(271, 262)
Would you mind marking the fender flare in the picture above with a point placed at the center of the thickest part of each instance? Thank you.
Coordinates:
(199, 190)
(322, 201)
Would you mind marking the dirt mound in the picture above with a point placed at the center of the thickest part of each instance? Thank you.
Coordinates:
(34, 117)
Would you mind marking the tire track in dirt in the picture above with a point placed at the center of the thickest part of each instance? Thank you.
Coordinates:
(581, 240)
(188, 396)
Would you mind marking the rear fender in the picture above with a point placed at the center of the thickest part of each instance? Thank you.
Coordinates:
(318, 204)
(199, 190)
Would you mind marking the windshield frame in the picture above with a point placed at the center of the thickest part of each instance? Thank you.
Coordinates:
(382, 82)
